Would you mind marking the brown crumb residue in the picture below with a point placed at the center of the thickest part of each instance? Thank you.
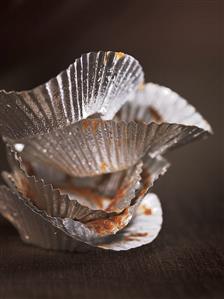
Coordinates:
(95, 124)
(119, 55)
(110, 225)
(118, 196)
(155, 115)
(147, 211)
(135, 236)
(85, 123)
(141, 86)
(91, 123)
(103, 166)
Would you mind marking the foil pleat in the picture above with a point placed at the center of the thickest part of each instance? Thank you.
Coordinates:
(98, 82)
(92, 147)
(155, 103)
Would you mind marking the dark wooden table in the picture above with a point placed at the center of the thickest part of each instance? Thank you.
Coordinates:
(180, 44)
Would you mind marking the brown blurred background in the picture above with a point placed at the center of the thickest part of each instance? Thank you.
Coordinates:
(180, 45)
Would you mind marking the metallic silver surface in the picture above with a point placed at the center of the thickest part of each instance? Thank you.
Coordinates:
(90, 232)
(47, 198)
(85, 148)
(142, 230)
(97, 82)
(92, 147)
(36, 230)
(32, 227)
(69, 201)
(160, 104)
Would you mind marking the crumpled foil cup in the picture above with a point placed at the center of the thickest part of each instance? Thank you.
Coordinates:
(85, 148)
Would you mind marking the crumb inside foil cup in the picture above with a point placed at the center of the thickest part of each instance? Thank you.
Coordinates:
(85, 148)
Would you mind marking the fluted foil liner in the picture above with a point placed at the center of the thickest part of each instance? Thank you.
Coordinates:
(106, 184)
(94, 146)
(96, 192)
(142, 230)
(36, 230)
(98, 82)
(111, 192)
(155, 103)
(71, 201)
(47, 198)
(89, 232)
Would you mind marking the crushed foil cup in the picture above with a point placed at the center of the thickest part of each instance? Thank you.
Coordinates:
(98, 82)
(85, 148)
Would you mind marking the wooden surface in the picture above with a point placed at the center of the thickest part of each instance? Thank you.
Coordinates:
(179, 44)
